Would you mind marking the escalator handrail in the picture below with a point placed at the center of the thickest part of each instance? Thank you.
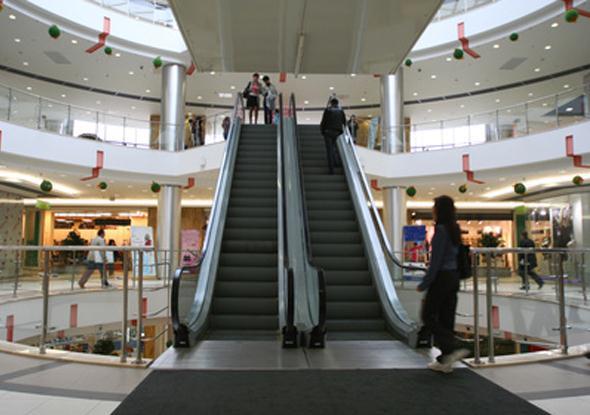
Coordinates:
(308, 249)
(180, 328)
(373, 208)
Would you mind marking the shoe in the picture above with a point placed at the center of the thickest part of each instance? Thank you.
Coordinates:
(457, 356)
(524, 287)
(541, 284)
(80, 285)
(440, 367)
(106, 285)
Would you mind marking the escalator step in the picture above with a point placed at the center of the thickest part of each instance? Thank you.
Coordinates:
(337, 325)
(246, 234)
(253, 175)
(325, 186)
(253, 202)
(355, 250)
(329, 205)
(262, 223)
(352, 293)
(254, 168)
(337, 278)
(342, 263)
(353, 309)
(246, 289)
(263, 247)
(321, 170)
(335, 237)
(248, 260)
(245, 306)
(254, 184)
(247, 274)
(244, 322)
(331, 195)
(333, 226)
(254, 193)
(329, 215)
(252, 212)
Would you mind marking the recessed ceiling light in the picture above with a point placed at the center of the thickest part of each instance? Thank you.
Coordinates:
(74, 42)
(212, 73)
(353, 75)
(370, 115)
(29, 88)
(462, 106)
(448, 59)
(306, 102)
(452, 184)
(502, 179)
(555, 24)
(98, 102)
(477, 83)
(63, 95)
(147, 91)
(415, 94)
(548, 47)
(508, 111)
(430, 193)
(17, 40)
(199, 97)
(566, 86)
(232, 87)
(544, 104)
(49, 106)
(308, 119)
(133, 107)
(26, 63)
(303, 77)
(496, 46)
(118, 55)
(530, 94)
(537, 69)
(331, 88)
(429, 110)
(363, 99)
(432, 76)
(569, 109)
(497, 100)
(225, 95)
(11, 16)
(85, 79)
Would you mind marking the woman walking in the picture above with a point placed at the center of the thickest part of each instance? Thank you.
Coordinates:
(252, 94)
(441, 284)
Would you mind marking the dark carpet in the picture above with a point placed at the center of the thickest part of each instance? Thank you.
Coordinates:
(404, 392)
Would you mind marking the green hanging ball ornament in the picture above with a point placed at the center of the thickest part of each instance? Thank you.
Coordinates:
(108, 50)
(571, 16)
(578, 180)
(513, 37)
(46, 186)
(458, 54)
(157, 62)
(519, 188)
(155, 187)
(463, 188)
(54, 31)
(411, 191)
(42, 205)
(521, 210)
(103, 185)
(408, 62)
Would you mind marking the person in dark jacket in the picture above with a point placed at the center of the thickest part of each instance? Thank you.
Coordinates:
(528, 262)
(441, 284)
(332, 126)
(353, 127)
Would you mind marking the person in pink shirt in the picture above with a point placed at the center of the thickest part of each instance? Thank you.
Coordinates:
(252, 93)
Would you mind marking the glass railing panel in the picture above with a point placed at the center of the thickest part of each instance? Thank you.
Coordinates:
(111, 128)
(458, 133)
(486, 125)
(426, 136)
(571, 108)
(4, 100)
(541, 115)
(137, 133)
(55, 117)
(24, 109)
(511, 122)
(84, 123)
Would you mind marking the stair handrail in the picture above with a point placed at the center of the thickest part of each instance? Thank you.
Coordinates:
(384, 240)
(195, 322)
(318, 332)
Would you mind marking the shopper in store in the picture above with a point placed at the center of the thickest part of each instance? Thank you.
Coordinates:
(353, 127)
(527, 263)
(111, 257)
(225, 124)
(270, 99)
(333, 122)
(252, 94)
(441, 284)
(96, 261)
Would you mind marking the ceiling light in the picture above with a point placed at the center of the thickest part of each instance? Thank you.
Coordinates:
(49, 105)
(363, 99)
(331, 88)
(569, 109)
(497, 100)
(303, 77)
(118, 55)
(537, 69)
(26, 63)
(502, 179)
(566, 86)
(11, 16)
(353, 75)
(477, 83)
(548, 47)
(462, 106)
(555, 24)
(74, 42)
(448, 59)
(415, 94)
(544, 104)
(370, 115)
(530, 94)
(306, 102)
(147, 91)
(98, 102)
(199, 97)
(432, 76)
(224, 94)
(63, 95)
(85, 79)
(131, 73)
(29, 88)
(212, 73)
(429, 110)
(232, 87)
(496, 46)
(133, 107)
(17, 40)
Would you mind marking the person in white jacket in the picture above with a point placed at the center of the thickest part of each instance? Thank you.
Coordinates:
(96, 260)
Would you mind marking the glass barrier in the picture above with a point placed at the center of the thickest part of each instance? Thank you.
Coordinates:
(154, 11)
(451, 8)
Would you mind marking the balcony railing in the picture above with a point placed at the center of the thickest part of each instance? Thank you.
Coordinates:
(33, 111)
(154, 11)
(451, 8)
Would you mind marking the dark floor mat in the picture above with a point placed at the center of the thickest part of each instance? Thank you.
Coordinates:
(404, 392)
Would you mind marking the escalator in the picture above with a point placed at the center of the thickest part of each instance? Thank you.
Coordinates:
(353, 306)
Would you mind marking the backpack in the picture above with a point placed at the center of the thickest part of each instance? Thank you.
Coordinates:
(246, 92)
(464, 265)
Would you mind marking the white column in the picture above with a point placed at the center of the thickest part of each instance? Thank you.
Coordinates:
(392, 141)
(171, 139)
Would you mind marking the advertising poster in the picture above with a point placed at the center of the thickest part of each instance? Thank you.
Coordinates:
(189, 244)
(143, 236)
(414, 243)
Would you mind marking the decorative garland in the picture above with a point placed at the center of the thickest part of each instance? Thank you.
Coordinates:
(411, 191)
(41, 205)
(571, 16)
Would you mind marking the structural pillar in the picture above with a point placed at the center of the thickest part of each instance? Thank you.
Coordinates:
(171, 139)
(586, 96)
(392, 131)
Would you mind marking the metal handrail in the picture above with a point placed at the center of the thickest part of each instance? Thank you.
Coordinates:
(373, 208)
(204, 289)
(318, 331)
